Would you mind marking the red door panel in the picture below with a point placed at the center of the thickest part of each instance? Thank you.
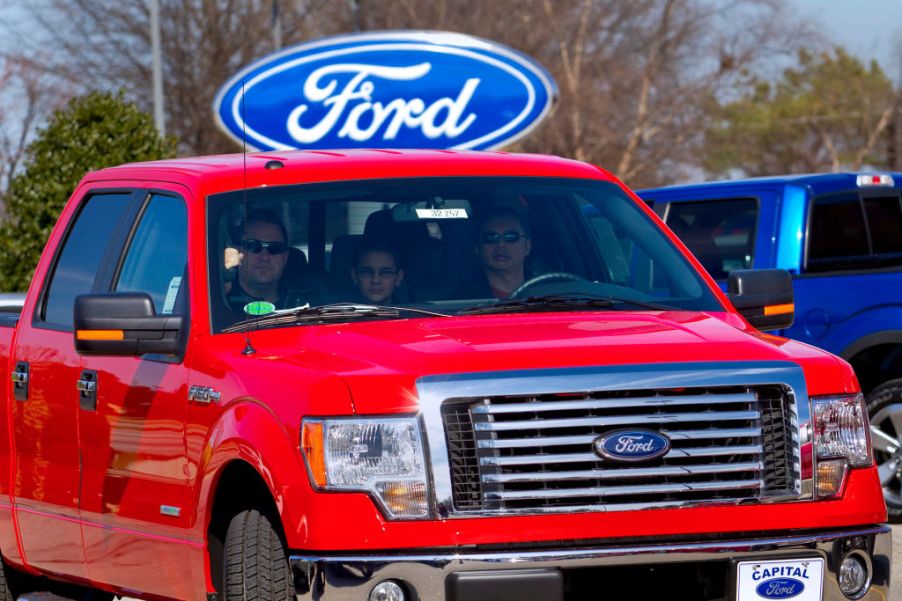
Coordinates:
(46, 468)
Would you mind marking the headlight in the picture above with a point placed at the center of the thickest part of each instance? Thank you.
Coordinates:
(382, 456)
(841, 440)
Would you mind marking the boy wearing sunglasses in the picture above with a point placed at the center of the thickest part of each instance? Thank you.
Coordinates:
(502, 245)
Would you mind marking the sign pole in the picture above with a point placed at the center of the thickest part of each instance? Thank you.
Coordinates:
(276, 26)
(158, 112)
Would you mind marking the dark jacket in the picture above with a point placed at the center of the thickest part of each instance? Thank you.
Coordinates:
(300, 291)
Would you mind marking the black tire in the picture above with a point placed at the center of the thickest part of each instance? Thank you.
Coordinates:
(255, 564)
(14, 583)
(885, 407)
(6, 592)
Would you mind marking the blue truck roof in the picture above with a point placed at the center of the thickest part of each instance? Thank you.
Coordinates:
(819, 183)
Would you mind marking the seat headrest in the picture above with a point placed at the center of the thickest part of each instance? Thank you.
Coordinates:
(380, 225)
(297, 260)
(341, 259)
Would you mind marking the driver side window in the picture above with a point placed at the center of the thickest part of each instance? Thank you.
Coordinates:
(157, 254)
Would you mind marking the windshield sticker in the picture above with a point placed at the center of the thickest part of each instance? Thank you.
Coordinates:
(442, 214)
(259, 308)
(171, 293)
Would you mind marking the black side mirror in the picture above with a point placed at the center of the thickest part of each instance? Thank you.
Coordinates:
(123, 323)
(763, 296)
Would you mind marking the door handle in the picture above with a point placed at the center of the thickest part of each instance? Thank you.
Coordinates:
(87, 390)
(20, 381)
(86, 386)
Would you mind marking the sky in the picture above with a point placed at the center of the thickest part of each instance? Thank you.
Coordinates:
(867, 28)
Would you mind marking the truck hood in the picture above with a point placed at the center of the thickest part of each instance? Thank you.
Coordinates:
(376, 358)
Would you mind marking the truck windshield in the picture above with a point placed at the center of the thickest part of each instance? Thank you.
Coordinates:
(445, 245)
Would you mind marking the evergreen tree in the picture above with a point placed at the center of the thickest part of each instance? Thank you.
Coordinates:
(97, 130)
(828, 113)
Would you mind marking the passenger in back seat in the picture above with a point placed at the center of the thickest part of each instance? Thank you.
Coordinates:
(377, 271)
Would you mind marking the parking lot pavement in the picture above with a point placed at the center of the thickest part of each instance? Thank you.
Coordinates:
(895, 589)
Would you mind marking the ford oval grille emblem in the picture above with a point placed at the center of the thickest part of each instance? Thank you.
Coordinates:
(780, 588)
(632, 445)
(397, 89)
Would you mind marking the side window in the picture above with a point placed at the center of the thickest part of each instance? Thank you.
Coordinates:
(839, 238)
(157, 254)
(83, 251)
(836, 233)
(884, 216)
(720, 233)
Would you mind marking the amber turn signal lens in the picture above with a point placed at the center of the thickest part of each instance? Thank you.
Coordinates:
(404, 498)
(830, 476)
(312, 446)
(779, 309)
(100, 335)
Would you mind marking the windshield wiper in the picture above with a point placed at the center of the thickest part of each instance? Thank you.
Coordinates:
(556, 302)
(325, 314)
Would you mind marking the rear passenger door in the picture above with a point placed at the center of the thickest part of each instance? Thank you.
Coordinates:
(851, 266)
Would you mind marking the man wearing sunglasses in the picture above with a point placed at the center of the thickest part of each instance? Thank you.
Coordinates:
(260, 257)
(502, 245)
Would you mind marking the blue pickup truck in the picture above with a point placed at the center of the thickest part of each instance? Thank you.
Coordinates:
(840, 236)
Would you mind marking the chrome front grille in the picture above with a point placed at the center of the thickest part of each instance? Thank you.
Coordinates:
(534, 452)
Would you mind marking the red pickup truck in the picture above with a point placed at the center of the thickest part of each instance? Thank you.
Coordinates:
(414, 375)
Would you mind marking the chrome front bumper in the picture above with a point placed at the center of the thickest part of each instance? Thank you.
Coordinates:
(351, 577)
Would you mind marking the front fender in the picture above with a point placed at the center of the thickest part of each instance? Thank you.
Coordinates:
(248, 431)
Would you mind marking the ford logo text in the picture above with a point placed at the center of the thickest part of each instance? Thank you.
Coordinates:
(386, 90)
(780, 588)
(631, 445)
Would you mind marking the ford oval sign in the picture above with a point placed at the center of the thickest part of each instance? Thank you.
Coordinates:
(387, 90)
(631, 445)
(780, 588)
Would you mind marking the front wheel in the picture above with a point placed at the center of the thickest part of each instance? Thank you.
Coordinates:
(6, 593)
(885, 409)
(255, 564)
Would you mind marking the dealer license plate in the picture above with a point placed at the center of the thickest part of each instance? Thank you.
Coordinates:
(796, 579)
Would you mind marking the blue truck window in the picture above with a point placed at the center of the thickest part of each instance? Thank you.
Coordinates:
(850, 232)
(837, 236)
(720, 233)
(884, 215)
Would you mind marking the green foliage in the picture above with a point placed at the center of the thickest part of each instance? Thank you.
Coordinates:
(828, 113)
(93, 131)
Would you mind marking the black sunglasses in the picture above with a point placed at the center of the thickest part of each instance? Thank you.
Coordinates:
(256, 246)
(495, 237)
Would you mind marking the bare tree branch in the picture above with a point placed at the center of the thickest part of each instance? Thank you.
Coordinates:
(651, 66)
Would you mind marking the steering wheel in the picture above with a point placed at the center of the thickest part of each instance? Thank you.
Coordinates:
(564, 276)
